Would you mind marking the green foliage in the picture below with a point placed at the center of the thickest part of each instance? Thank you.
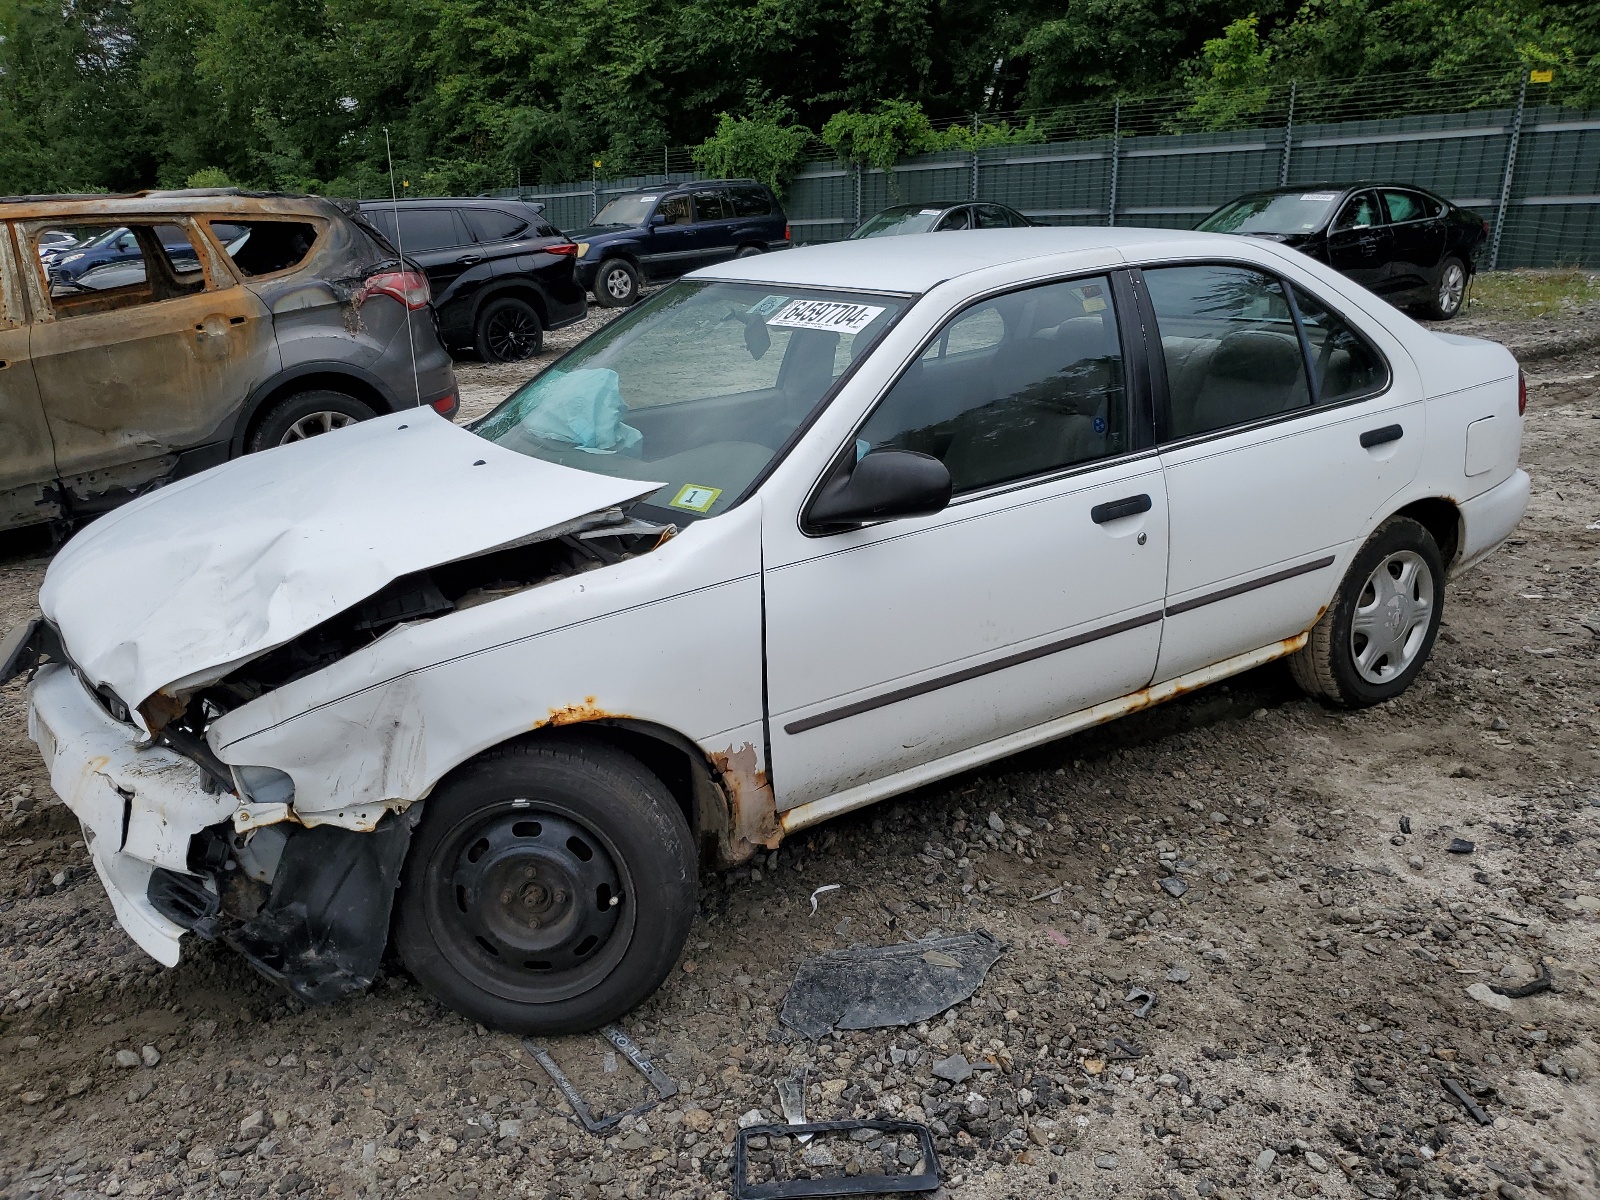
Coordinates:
(1233, 79)
(768, 144)
(208, 177)
(996, 133)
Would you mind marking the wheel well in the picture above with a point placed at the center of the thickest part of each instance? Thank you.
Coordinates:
(331, 381)
(521, 292)
(1442, 519)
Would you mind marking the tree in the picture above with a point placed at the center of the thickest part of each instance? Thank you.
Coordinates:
(1233, 79)
(767, 144)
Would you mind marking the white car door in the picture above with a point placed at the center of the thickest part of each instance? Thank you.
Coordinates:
(1276, 463)
(1036, 592)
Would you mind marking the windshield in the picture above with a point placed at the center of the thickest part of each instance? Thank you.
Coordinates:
(697, 389)
(1272, 212)
(104, 239)
(627, 210)
(904, 218)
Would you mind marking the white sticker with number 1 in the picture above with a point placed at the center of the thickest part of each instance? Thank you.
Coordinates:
(831, 316)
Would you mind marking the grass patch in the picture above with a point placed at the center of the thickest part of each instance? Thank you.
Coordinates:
(1529, 294)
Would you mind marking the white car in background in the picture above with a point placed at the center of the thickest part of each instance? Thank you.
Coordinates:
(802, 532)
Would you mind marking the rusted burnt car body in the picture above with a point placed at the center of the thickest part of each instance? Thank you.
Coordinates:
(801, 532)
(229, 322)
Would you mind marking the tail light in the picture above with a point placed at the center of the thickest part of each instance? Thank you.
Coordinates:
(569, 249)
(787, 235)
(1522, 392)
(408, 287)
(445, 405)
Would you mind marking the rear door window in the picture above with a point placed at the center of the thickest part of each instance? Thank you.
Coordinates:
(960, 218)
(711, 205)
(423, 229)
(264, 247)
(493, 224)
(992, 216)
(122, 266)
(1404, 206)
(1230, 346)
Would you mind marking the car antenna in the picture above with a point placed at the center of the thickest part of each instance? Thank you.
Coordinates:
(400, 244)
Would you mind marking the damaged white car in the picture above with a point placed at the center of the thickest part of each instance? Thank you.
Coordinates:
(801, 532)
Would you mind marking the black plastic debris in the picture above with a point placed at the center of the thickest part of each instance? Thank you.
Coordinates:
(1174, 887)
(1542, 982)
(924, 1180)
(665, 1087)
(871, 987)
(1460, 846)
(1146, 1000)
(1405, 824)
(1462, 1097)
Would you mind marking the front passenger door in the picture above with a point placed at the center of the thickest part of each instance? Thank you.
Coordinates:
(1037, 591)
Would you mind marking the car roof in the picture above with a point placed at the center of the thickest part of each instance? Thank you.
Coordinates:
(1286, 188)
(215, 201)
(451, 201)
(916, 262)
(684, 185)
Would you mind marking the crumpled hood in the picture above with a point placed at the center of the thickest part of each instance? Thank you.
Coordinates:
(180, 585)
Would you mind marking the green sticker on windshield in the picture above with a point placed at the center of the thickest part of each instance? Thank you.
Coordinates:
(695, 498)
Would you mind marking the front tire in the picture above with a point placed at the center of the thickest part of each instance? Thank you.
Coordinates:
(616, 283)
(304, 415)
(1451, 291)
(550, 888)
(1374, 639)
(508, 331)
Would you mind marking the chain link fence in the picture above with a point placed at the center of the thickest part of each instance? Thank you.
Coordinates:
(1496, 143)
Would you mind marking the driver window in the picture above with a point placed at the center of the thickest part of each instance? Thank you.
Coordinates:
(961, 218)
(1360, 212)
(117, 266)
(675, 210)
(1037, 385)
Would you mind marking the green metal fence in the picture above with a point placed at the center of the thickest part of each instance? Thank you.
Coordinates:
(1532, 172)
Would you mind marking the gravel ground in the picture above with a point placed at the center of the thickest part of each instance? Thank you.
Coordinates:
(1317, 982)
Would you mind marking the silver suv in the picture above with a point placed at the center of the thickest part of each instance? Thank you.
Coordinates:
(185, 328)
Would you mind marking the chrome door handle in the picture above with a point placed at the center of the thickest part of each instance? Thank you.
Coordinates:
(1128, 506)
(1380, 437)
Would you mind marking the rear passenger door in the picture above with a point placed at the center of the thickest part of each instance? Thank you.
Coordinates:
(752, 217)
(713, 227)
(1036, 592)
(1359, 242)
(1416, 223)
(438, 241)
(1275, 464)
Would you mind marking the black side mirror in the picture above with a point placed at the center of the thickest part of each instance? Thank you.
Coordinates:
(884, 485)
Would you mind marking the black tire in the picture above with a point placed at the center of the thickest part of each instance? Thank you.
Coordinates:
(749, 251)
(616, 283)
(306, 414)
(508, 330)
(605, 929)
(1450, 291)
(1330, 665)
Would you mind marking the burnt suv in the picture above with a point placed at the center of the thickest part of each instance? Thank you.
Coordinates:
(652, 234)
(235, 323)
(501, 274)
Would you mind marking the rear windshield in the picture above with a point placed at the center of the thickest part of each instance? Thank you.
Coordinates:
(1272, 212)
(905, 218)
(696, 390)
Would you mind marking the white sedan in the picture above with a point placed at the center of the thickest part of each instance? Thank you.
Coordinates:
(802, 532)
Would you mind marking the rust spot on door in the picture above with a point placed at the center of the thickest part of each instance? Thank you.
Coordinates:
(752, 809)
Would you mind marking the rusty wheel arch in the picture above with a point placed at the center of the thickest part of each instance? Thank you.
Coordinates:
(726, 799)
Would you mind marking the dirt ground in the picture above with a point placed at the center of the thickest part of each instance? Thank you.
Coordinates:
(1316, 983)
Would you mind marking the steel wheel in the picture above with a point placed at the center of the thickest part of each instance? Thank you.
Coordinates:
(528, 902)
(313, 424)
(1452, 288)
(1392, 617)
(512, 333)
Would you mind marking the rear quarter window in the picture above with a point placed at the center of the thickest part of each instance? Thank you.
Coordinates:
(264, 247)
(750, 202)
(493, 224)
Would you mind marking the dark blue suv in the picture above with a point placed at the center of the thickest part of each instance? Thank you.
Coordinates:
(661, 233)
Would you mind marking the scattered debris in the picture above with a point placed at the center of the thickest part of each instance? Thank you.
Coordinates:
(870, 987)
(1126, 1050)
(792, 1099)
(924, 1179)
(1540, 983)
(1460, 846)
(1045, 895)
(955, 1069)
(1174, 887)
(665, 1087)
(1136, 994)
(1405, 824)
(1486, 995)
(823, 890)
(1059, 938)
(1463, 1098)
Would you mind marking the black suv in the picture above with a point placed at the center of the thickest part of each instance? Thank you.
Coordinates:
(501, 274)
(661, 233)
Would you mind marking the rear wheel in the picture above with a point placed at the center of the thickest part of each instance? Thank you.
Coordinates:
(549, 889)
(305, 415)
(508, 331)
(749, 251)
(1451, 291)
(616, 283)
(1373, 640)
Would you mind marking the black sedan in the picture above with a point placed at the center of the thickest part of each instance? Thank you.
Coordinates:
(1401, 241)
(938, 217)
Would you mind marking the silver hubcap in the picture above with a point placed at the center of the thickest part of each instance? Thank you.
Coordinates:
(312, 424)
(1392, 617)
(1451, 288)
(619, 285)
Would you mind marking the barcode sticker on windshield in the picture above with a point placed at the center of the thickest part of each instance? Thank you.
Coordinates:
(1319, 195)
(767, 304)
(831, 316)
